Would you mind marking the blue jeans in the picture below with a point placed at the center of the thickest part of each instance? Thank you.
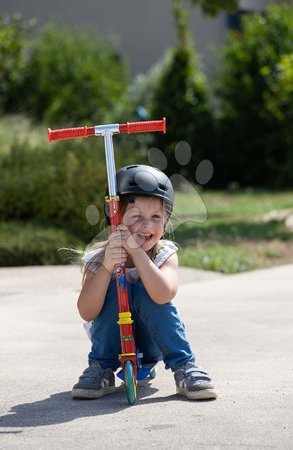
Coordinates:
(158, 330)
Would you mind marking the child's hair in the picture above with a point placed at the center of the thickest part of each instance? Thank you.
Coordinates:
(125, 200)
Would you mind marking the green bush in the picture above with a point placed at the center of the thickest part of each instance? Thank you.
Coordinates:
(73, 76)
(180, 95)
(14, 34)
(61, 75)
(58, 182)
(255, 89)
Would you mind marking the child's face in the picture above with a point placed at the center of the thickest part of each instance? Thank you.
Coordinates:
(145, 220)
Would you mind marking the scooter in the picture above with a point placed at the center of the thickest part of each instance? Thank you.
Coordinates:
(130, 358)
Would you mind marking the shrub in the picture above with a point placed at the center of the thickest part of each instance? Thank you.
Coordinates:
(181, 96)
(61, 75)
(256, 97)
(14, 34)
(58, 183)
(72, 76)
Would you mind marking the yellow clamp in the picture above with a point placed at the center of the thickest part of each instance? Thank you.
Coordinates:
(112, 197)
(125, 318)
(126, 354)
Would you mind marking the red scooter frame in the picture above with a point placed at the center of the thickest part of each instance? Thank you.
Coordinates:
(128, 357)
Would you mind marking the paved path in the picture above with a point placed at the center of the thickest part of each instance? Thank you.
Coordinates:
(240, 326)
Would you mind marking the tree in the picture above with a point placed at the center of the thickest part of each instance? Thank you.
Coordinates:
(181, 94)
(256, 98)
(14, 33)
(214, 7)
(72, 76)
(208, 7)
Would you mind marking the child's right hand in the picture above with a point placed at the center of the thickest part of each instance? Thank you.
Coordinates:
(114, 252)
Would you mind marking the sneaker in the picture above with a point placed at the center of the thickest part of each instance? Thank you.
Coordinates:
(95, 382)
(194, 383)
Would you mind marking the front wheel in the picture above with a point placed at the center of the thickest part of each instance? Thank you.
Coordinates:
(153, 373)
(130, 382)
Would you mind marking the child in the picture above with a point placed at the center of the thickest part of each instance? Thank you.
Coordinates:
(147, 198)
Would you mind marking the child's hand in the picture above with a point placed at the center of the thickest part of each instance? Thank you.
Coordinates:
(129, 241)
(121, 244)
(115, 253)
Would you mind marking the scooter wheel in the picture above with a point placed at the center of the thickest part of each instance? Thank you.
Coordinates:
(153, 373)
(130, 382)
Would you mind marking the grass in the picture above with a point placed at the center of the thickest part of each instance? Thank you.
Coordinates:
(229, 258)
(232, 232)
(236, 234)
(36, 243)
(14, 128)
(236, 203)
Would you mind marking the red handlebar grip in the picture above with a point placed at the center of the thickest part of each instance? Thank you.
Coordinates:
(143, 127)
(70, 133)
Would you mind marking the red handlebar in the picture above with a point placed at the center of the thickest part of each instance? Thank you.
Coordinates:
(129, 127)
(143, 127)
(70, 133)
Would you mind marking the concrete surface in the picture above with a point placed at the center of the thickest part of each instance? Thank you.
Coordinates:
(240, 326)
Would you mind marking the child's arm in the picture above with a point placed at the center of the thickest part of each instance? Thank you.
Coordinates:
(92, 296)
(160, 283)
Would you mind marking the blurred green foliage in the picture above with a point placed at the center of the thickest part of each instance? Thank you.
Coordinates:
(68, 78)
(214, 7)
(278, 100)
(64, 77)
(14, 34)
(255, 90)
(53, 182)
(61, 75)
(72, 77)
(181, 96)
(36, 243)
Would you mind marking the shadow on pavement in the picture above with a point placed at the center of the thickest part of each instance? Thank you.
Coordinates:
(61, 408)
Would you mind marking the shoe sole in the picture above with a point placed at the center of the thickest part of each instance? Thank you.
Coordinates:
(204, 394)
(92, 394)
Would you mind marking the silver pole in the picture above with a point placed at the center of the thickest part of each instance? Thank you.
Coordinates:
(111, 171)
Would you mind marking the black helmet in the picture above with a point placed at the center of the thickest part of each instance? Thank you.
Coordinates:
(145, 180)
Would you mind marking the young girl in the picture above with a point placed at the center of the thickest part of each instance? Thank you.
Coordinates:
(147, 198)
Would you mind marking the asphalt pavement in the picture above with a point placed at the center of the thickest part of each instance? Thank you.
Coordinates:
(240, 327)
